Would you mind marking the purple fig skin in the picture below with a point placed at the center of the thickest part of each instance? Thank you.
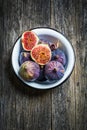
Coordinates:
(53, 46)
(42, 75)
(24, 56)
(59, 56)
(54, 70)
(29, 71)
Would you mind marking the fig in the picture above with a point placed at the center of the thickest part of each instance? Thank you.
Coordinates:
(59, 56)
(29, 40)
(54, 70)
(24, 56)
(42, 75)
(54, 46)
(41, 54)
(29, 71)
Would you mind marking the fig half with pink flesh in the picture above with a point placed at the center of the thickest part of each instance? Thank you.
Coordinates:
(41, 54)
(29, 40)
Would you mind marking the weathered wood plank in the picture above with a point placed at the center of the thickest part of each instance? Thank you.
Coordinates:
(21, 108)
(80, 68)
(69, 99)
(63, 97)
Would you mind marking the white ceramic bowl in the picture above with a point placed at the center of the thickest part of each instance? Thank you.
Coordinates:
(50, 35)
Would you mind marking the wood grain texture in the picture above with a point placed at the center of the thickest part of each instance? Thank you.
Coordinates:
(61, 108)
(69, 101)
(21, 107)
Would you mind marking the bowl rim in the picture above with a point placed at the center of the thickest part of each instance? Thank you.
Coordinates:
(42, 88)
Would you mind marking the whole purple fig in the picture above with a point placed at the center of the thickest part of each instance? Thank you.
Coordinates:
(59, 56)
(54, 70)
(24, 56)
(29, 71)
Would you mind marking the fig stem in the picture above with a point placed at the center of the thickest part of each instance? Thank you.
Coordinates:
(56, 57)
(55, 70)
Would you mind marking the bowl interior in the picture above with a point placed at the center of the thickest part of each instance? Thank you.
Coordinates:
(51, 36)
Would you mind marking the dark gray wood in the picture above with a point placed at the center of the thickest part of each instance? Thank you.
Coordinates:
(61, 108)
(21, 107)
(69, 101)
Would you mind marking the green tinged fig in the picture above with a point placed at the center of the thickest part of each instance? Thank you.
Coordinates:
(29, 71)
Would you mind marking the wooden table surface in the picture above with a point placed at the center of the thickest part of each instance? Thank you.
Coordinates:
(61, 108)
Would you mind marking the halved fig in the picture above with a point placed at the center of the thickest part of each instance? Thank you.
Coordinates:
(29, 40)
(41, 54)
